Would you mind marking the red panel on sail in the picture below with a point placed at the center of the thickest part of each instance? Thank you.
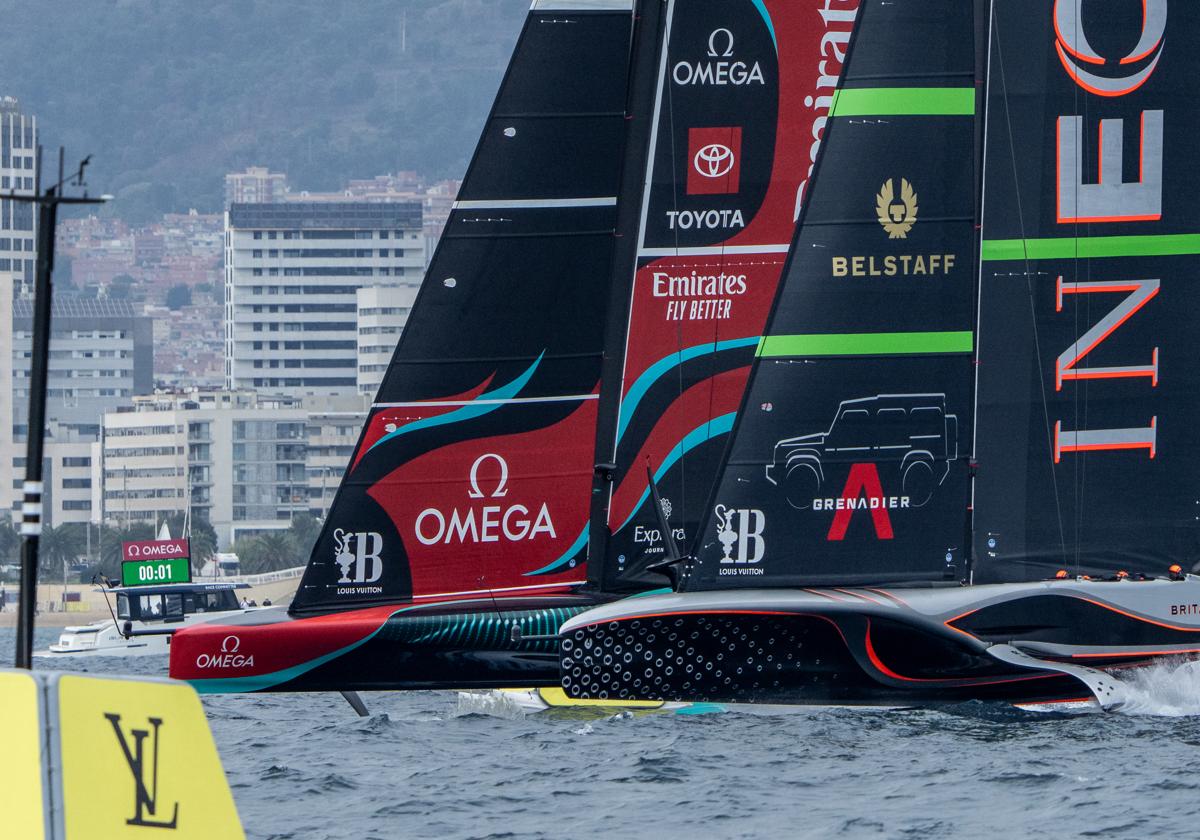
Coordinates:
(486, 513)
(716, 160)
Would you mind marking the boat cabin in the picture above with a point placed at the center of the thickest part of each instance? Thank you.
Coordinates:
(172, 602)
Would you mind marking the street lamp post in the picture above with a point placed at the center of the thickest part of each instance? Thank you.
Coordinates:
(47, 202)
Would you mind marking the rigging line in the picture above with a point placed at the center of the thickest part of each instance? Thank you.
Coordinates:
(1037, 345)
(680, 323)
(1079, 397)
(1081, 103)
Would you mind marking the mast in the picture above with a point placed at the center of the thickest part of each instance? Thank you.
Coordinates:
(646, 48)
(982, 30)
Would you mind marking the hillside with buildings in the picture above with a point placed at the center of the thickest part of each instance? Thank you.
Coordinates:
(282, 174)
(323, 91)
(213, 369)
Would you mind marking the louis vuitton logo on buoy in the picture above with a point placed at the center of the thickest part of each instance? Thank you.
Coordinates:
(145, 774)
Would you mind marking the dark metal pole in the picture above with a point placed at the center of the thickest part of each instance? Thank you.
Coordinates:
(39, 363)
(31, 509)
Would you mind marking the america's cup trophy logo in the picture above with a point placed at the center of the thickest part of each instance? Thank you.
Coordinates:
(725, 533)
(356, 554)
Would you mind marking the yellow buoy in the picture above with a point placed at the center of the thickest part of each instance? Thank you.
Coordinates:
(114, 758)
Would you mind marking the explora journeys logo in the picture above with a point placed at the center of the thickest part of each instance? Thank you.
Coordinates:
(740, 532)
(486, 523)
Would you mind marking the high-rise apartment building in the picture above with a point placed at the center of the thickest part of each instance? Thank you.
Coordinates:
(101, 354)
(292, 274)
(382, 313)
(255, 186)
(333, 427)
(246, 462)
(18, 171)
(10, 477)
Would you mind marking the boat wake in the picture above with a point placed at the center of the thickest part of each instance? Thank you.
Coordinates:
(1166, 689)
(501, 704)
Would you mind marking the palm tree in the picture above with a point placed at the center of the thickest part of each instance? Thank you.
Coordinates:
(266, 553)
(304, 531)
(111, 551)
(202, 541)
(56, 548)
(10, 542)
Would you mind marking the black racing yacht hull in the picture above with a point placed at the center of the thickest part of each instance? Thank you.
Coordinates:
(469, 642)
(1023, 643)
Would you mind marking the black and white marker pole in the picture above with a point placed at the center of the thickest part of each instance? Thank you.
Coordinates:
(47, 202)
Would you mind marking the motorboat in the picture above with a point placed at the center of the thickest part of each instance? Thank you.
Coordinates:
(146, 617)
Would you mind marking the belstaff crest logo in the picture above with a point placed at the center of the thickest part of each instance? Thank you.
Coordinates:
(897, 217)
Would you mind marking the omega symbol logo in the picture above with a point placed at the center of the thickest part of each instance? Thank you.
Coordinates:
(230, 644)
(486, 522)
(714, 38)
(897, 217)
(501, 487)
(713, 160)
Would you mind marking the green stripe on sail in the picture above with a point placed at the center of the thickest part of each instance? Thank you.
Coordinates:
(867, 344)
(900, 101)
(1091, 247)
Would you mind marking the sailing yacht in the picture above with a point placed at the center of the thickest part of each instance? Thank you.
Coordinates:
(964, 465)
(595, 301)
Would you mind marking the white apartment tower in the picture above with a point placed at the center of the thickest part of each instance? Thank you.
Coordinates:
(18, 172)
(292, 274)
(101, 354)
(256, 185)
(246, 462)
(382, 313)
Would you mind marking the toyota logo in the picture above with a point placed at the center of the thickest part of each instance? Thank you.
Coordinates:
(713, 160)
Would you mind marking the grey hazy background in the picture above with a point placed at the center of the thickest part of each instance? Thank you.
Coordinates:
(171, 94)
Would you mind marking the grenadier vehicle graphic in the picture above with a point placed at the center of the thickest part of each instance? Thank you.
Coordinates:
(912, 432)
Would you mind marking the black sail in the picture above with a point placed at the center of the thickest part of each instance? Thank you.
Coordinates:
(848, 462)
(1089, 425)
(473, 473)
(740, 105)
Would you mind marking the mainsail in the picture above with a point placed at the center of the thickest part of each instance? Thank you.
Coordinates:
(1088, 419)
(848, 462)
(743, 90)
(851, 487)
(473, 473)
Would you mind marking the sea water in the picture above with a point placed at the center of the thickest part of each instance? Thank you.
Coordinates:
(425, 765)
